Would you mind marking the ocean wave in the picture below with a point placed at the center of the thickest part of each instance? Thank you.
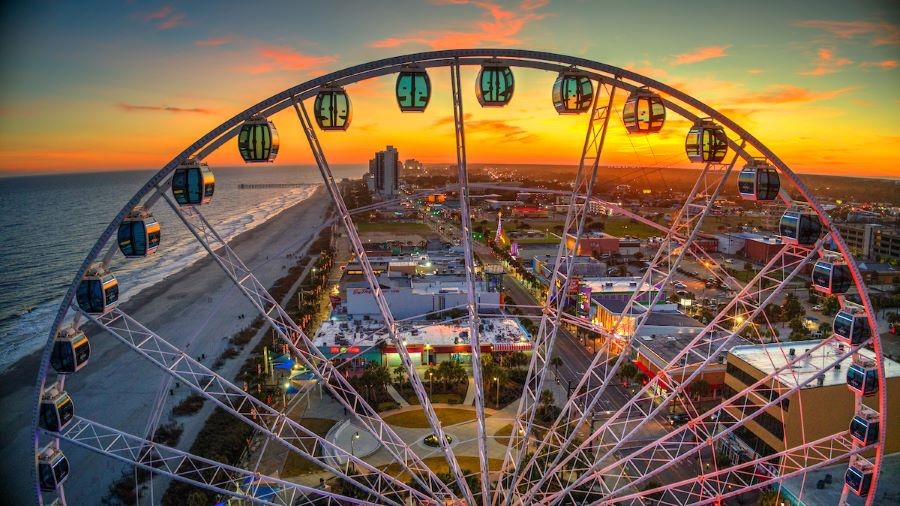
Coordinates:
(27, 332)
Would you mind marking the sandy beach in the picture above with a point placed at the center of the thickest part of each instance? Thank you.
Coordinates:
(118, 387)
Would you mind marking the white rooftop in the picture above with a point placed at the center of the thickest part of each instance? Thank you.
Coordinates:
(768, 357)
(500, 330)
(624, 284)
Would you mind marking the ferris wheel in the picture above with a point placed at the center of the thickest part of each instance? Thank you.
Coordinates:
(591, 452)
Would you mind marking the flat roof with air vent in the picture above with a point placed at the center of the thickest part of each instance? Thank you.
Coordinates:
(769, 357)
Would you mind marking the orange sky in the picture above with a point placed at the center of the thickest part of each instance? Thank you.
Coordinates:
(820, 93)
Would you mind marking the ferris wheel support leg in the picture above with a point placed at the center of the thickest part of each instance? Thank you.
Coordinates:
(381, 301)
(466, 229)
(542, 349)
(257, 414)
(198, 471)
(646, 415)
(310, 355)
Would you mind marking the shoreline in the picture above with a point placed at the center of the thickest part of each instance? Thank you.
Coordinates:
(197, 298)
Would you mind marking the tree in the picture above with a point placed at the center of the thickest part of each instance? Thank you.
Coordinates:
(556, 362)
(799, 332)
(769, 497)
(791, 307)
(400, 375)
(628, 370)
(830, 305)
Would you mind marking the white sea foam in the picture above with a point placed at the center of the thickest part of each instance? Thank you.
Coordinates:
(181, 251)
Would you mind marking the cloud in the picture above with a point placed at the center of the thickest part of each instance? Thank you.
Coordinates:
(162, 108)
(214, 41)
(880, 33)
(497, 26)
(827, 63)
(787, 94)
(700, 54)
(499, 128)
(755, 71)
(274, 58)
(164, 18)
(884, 64)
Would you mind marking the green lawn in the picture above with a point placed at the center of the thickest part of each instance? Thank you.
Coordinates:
(396, 228)
(439, 465)
(621, 226)
(503, 433)
(296, 465)
(416, 418)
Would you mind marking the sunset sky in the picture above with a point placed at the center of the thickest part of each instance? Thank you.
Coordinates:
(120, 85)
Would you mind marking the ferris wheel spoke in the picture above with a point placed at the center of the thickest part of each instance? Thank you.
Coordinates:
(689, 224)
(718, 337)
(391, 326)
(310, 355)
(198, 471)
(749, 475)
(256, 413)
(542, 349)
(741, 407)
(466, 231)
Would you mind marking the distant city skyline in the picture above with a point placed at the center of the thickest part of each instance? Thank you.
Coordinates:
(127, 86)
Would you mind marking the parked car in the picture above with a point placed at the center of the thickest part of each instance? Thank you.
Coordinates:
(817, 307)
(679, 419)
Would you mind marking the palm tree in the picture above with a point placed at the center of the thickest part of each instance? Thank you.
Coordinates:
(400, 374)
(700, 388)
(556, 362)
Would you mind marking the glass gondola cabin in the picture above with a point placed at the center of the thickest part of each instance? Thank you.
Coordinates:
(332, 109)
(139, 234)
(706, 141)
(831, 277)
(851, 327)
(864, 429)
(863, 379)
(494, 85)
(413, 89)
(800, 227)
(644, 112)
(758, 181)
(258, 141)
(57, 410)
(573, 93)
(98, 291)
(53, 468)
(859, 478)
(193, 184)
(71, 351)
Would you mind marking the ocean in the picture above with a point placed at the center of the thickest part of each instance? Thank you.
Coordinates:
(49, 223)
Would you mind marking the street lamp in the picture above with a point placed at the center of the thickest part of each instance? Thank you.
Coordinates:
(497, 403)
(352, 448)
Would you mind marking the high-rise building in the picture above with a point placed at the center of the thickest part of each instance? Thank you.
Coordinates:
(384, 170)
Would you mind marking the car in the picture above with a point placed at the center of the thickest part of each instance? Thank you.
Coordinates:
(679, 419)
(679, 285)
(817, 307)
(729, 261)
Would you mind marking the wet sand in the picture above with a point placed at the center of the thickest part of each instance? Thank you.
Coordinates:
(199, 305)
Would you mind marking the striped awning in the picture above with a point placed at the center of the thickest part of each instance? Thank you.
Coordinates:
(512, 346)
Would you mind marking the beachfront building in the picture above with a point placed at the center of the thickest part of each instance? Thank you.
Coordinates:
(828, 396)
(415, 296)
(428, 342)
(594, 242)
(652, 352)
(384, 173)
(582, 266)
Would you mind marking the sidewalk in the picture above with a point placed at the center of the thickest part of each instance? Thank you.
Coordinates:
(396, 396)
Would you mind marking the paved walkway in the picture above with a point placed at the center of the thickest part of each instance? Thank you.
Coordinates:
(470, 393)
(396, 396)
